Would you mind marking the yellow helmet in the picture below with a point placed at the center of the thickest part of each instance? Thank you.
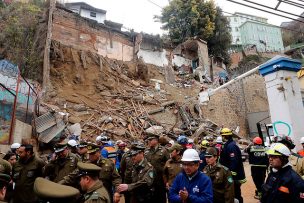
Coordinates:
(226, 131)
(204, 144)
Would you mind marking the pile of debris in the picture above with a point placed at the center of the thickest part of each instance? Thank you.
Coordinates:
(91, 95)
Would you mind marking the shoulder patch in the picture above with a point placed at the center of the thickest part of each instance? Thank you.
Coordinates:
(230, 180)
(151, 174)
(94, 196)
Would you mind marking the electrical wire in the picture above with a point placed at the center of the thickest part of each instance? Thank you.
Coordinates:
(265, 11)
(268, 7)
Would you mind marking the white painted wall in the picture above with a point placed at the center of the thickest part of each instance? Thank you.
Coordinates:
(100, 17)
(286, 105)
(154, 57)
(179, 61)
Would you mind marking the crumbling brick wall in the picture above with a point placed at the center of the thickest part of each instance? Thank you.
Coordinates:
(229, 107)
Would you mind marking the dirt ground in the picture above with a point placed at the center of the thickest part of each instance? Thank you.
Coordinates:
(248, 188)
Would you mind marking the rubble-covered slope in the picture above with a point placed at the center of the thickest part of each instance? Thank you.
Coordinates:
(106, 95)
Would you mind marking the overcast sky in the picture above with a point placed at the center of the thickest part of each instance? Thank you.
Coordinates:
(138, 14)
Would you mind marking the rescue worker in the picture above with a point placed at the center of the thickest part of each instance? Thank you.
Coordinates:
(157, 156)
(283, 184)
(173, 166)
(82, 151)
(231, 157)
(50, 192)
(259, 163)
(108, 174)
(219, 144)
(121, 150)
(25, 171)
(222, 182)
(108, 150)
(64, 163)
(191, 185)
(141, 187)
(296, 161)
(183, 141)
(204, 146)
(94, 190)
(4, 183)
(301, 152)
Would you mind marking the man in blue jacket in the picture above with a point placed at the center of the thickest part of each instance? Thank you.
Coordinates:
(231, 157)
(191, 185)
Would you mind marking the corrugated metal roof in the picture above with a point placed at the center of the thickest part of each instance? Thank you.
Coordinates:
(47, 135)
(45, 121)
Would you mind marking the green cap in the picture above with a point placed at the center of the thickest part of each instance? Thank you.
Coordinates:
(87, 169)
(139, 147)
(45, 189)
(83, 144)
(176, 147)
(4, 178)
(59, 147)
(211, 151)
(92, 147)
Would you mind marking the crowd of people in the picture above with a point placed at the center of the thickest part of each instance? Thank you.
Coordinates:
(153, 170)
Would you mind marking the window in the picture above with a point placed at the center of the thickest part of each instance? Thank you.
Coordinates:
(93, 14)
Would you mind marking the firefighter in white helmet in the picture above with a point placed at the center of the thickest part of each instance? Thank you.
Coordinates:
(283, 184)
(191, 185)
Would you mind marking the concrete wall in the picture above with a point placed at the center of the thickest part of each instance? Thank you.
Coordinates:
(230, 106)
(70, 30)
(179, 61)
(100, 17)
(154, 57)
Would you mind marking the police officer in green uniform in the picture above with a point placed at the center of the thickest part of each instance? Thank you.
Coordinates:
(82, 151)
(25, 171)
(157, 156)
(174, 165)
(108, 173)
(94, 190)
(64, 163)
(50, 192)
(4, 182)
(126, 167)
(222, 181)
(143, 176)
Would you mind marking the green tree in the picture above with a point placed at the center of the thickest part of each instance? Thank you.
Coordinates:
(188, 18)
(19, 37)
(185, 19)
(220, 41)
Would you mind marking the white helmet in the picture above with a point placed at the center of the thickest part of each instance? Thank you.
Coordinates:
(278, 149)
(15, 146)
(72, 143)
(219, 139)
(190, 141)
(98, 138)
(171, 142)
(190, 155)
(302, 140)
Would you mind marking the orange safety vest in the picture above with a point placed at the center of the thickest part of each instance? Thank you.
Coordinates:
(112, 154)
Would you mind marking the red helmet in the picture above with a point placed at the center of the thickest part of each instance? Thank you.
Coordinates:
(257, 140)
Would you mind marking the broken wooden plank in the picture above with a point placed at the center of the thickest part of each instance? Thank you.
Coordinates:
(154, 111)
(168, 103)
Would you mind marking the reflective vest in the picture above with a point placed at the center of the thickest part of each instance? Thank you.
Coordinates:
(111, 153)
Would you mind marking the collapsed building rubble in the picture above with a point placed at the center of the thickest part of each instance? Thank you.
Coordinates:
(115, 100)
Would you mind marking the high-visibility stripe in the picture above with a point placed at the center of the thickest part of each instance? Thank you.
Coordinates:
(258, 165)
